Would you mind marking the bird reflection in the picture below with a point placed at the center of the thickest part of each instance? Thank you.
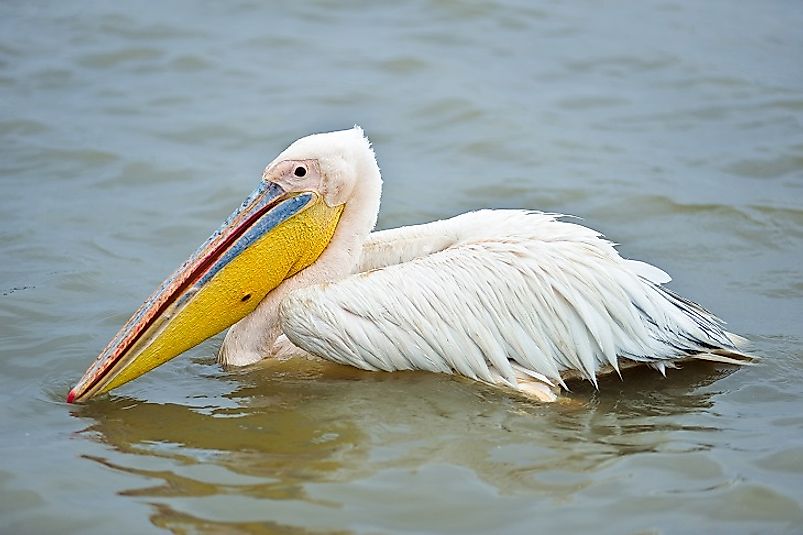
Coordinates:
(286, 425)
(167, 518)
(268, 433)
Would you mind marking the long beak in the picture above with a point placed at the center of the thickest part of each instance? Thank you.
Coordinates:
(273, 235)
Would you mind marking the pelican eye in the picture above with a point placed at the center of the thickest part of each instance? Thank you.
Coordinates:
(299, 171)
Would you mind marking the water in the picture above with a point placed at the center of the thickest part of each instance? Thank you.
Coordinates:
(128, 132)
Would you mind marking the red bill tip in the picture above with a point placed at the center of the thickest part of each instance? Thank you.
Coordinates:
(71, 396)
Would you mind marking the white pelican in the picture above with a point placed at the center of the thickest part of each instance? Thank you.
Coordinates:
(514, 298)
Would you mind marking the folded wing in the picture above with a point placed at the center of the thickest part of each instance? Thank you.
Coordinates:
(491, 293)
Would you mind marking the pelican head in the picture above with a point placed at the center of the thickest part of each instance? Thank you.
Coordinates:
(306, 200)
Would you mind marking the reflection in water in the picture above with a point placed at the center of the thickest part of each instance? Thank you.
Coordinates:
(273, 438)
(166, 517)
(289, 427)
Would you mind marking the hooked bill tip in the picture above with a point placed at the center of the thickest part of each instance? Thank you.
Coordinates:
(71, 396)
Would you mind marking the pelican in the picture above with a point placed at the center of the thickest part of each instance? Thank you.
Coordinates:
(514, 298)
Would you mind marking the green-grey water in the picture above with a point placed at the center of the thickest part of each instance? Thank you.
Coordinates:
(128, 131)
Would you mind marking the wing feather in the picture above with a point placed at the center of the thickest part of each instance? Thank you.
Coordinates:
(510, 291)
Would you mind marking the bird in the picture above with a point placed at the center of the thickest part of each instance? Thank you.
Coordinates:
(519, 299)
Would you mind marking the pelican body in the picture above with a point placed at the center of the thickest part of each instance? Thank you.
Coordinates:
(514, 298)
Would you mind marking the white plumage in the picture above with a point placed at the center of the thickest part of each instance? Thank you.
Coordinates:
(491, 293)
(514, 298)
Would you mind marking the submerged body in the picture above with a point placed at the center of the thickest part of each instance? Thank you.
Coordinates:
(512, 298)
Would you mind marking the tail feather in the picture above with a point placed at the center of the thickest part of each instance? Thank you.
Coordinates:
(727, 357)
(738, 342)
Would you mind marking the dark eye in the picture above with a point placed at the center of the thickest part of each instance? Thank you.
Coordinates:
(299, 171)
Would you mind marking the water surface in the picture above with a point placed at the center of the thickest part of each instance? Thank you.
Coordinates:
(128, 132)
